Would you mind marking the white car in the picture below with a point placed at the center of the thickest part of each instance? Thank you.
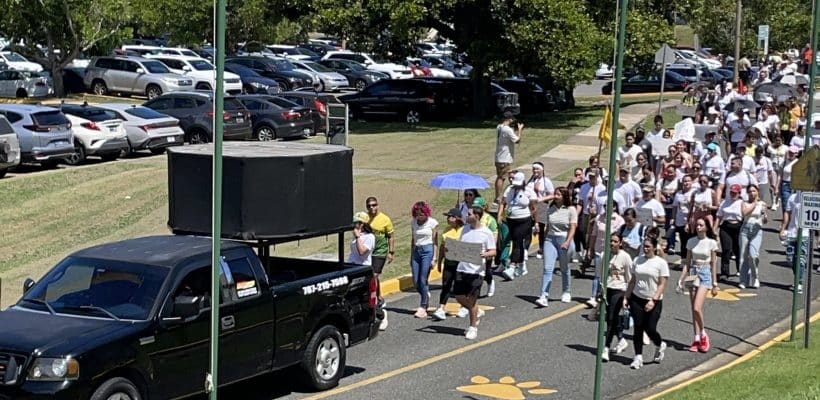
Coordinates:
(395, 71)
(329, 79)
(701, 61)
(200, 70)
(21, 84)
(604, 72)
(17, 62)
(290, 52)
(97, 131)
(147, 129)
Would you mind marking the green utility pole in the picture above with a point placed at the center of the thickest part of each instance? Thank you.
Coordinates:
(212, 380)
(610, 188)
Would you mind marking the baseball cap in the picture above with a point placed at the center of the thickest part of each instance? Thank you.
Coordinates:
(518, 179)
(362, 217)
(479, 202)
(736, 188)
(508, 114)
(648, 188)
(454, 212)
(711, 147)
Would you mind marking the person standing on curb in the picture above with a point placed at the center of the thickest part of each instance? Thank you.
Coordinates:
(644, 298)
(468, 275)
(383, 252)
(700, 275)
(424, 238)
(506, 139)
(620, 267)
(448, 267)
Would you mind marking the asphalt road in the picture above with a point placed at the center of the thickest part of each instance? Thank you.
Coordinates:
(523, 352)
(591, 89)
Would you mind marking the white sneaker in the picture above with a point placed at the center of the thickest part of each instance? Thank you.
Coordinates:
(646, 339)
(472, 333)
(478, 316)
(526, 254)
(383, 324)
(742, 286)
(524, 269)
(566, 297)
(538, 256)
(800, 288)
(463, 313)
(756, 285)
(508, 273)
(592, 302)
(660, 352)
(440, 315)
(637, 362)
(622, 345)
(774, 207)
(605, 355)
(491, 290)
(543, 301)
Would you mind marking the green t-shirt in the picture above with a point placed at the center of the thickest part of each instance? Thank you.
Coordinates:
(382, 226)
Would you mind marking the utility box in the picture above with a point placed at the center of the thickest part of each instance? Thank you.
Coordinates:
(270, 190)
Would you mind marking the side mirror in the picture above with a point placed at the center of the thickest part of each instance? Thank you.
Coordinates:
(27, 285)
(186, 307)
(186, 68)
(140, 71)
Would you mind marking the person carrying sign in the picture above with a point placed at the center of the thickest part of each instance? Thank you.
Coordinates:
(470, 276)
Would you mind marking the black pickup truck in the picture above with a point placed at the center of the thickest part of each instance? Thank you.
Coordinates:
(131, 320)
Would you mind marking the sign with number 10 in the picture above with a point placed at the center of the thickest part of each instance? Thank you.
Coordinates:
(810, 210)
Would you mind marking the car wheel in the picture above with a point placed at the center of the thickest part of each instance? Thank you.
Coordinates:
(153, 91)
(157, 151)
(110, 156)
(99, 88)
(198, 136)
(3, 172)
(78, 156)
(321, 86)
(324, 360)
(265, 133)
(21, 94)
(116, 389)
(283, 87)
(413, 117)
(203, 86)
(360, 84)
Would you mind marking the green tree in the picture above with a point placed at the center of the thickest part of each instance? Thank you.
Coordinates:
(64, 28)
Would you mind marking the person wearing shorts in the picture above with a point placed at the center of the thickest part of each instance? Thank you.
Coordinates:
(470, 276)
(382, 228)
(506, 139)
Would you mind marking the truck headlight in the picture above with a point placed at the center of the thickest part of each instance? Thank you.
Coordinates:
(259, 85)
(54, 369)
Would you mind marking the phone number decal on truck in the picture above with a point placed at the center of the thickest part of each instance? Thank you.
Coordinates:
(318, 287)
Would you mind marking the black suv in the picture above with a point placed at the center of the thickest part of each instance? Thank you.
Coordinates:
(280, 70)
(194, 110)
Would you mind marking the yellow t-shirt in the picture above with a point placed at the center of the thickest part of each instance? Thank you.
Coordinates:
(382, 226)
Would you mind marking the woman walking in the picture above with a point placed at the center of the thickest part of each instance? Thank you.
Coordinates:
(751, 237)
(730, 220)
(644, 297)
(448, 267)
(700, 275)
(620, 266)
(682, 204)
(516, 206)
(424, 237)
(562, 220)
(632, 233)
(598, 241)
(786, 178)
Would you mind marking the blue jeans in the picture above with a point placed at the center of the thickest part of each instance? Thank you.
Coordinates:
(420, 259)
(552, 253)
(751, 236)
(785, 192)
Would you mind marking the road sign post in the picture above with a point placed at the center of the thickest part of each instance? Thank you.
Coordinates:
(809, 219)
(664, 55)
(763, 36)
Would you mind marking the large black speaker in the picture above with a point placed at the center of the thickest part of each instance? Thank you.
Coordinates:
(270, 190)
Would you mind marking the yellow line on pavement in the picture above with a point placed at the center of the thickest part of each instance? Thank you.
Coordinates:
(450, 354)
(742, 359)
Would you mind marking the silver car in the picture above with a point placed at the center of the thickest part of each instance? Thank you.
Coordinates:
(9, 147)
(22, 84)
(45, 133)
(133, 75)
(328, 78)
(147, 129)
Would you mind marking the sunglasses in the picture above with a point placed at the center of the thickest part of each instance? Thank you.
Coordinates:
(371, 205)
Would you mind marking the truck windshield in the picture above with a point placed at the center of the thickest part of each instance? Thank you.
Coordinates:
(98, 288)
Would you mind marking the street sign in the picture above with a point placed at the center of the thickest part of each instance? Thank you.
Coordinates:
(665, 55)
(810, 211)
(763, 32)
(806, 171)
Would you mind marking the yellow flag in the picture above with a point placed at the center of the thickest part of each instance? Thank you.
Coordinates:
(605, 131)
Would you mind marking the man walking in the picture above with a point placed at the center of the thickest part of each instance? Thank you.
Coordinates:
(383, 251)
(506, 140)
(469, 276)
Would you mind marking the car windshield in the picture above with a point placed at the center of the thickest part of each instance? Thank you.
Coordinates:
(241, 70)
(98, 288)
(96, 114)
(155, 67)
(281, 102)
(201, 65)
(316, 67)
(355, 66)
(144, 113)
(282, 65)
(14, 57)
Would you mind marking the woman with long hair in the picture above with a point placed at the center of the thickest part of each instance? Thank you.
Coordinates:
(620, 266)
(423, 240)
(682, 207)
(516, 207)
(361, 247)
(562, 220)
(700, 274)
(730, 220)
(448, 267)
(644, 297)
(598, 240)
(632, 233)
(751, 237)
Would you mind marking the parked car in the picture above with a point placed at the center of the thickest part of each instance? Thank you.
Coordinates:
(640, 83)
(357, 74)
(420, 67)
(604, 71)
(17, 62)
(395, 71)
(178, 51)
(318, 48)
(274, 119)
(44, 133)
(9, 147)
(133, 75)
(293, 52)
(531, 96)
(316, 102)
(252, 82)
(691, 55)
(194, 110)
(201, 71)
(329, 80)
(97, 132)
(147, 129)
(280, 70)
(23, 84)
(448, 63)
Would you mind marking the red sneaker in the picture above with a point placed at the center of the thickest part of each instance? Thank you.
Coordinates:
(695, 346)
(704, 344)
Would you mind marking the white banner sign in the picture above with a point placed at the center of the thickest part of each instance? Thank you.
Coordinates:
(463, 251)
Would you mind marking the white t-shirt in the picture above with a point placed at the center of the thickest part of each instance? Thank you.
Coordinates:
(793, 206)
(560, 219)
(777, 154)
(479, 235)
(787, 171)
(704, 198)
(647, 274)
(762, 169)
(799, 141)
(518, 202)
(729, 210)
(423, 234)
(629, 157)
(738, 128)
(630, 191)
(742, 178)
(713, 167)
(600, 202)
(585, 196)
(653, 205)
(369, 241)
(620, 271)
(701, 250)
(505, 144)
(681, 204)
(542, 187)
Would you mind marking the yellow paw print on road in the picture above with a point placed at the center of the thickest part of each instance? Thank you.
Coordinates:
(505, 389)
(733, 294)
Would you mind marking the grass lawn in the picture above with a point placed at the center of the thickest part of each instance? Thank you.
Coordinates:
(784, 371)
(684, 36)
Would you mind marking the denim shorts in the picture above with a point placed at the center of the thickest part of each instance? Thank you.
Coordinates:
(704, 272)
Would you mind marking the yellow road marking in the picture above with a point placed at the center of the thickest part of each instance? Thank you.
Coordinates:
(505, 389)
(733, 294)
(742, 359)
(450, 354)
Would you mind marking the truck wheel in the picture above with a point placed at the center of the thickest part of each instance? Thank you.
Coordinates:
(99, 87)
(3, 172)
(116, 389)
(78, 156)
(324, 360)
(153, 91)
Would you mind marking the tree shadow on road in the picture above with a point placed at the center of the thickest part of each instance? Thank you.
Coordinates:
(440, 329)
(274, 385)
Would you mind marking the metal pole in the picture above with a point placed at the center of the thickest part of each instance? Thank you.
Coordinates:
(610, 187)
(807, 290)
(798, 254)
(212, 380)
(738, 23)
